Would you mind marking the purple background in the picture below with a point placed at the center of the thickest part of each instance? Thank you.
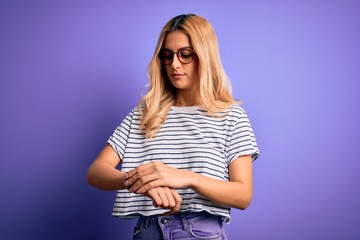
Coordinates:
(70, 71)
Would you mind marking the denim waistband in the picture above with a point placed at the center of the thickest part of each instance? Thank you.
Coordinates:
(186, 219)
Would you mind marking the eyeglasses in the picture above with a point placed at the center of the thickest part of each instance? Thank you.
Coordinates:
(185, 55)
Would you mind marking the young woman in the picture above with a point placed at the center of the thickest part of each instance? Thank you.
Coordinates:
(186, 150)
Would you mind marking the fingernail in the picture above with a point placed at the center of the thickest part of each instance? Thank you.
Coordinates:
(126, 176)
(126, 183)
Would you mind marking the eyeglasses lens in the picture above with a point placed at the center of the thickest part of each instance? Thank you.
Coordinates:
(185, 56)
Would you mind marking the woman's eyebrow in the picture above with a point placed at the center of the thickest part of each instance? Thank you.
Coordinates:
(171, 50)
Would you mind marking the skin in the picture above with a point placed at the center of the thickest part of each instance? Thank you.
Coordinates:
(159, 181)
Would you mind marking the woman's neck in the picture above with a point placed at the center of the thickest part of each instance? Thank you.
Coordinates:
(186, 99)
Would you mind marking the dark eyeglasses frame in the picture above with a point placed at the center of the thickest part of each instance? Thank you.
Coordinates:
(178, 55)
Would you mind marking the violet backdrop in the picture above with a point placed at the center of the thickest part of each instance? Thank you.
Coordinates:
(71, 70)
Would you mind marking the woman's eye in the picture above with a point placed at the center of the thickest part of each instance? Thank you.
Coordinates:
(167, 55)
(185, 54)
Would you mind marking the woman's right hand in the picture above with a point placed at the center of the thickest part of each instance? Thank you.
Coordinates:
(166, 198)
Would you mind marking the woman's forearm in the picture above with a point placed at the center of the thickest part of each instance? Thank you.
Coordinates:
(236, 192)
(104, 176)
(230, 194)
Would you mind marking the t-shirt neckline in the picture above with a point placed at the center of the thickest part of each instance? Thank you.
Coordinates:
(185, 108)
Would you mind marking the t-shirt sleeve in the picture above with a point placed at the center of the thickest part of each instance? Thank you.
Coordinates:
(242, 140)
(119, 138)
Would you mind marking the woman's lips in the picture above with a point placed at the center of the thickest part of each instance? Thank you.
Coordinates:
(177, 75)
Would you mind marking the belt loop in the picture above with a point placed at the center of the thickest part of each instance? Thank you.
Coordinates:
(184, 221)
(146, 222)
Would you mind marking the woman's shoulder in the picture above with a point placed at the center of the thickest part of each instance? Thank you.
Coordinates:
(236, 110)
(132, 114)
(135, 109)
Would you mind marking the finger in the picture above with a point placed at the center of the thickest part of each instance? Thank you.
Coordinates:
(141, 171)
(156, 199)
(164, 199)
(178, 201)
(144, 184)
(173, 211)
(138, 169)
(146, 187)
(170, 198)
(142, 167)
(138, 181)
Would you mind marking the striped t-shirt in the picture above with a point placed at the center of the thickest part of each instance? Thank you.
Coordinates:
(188, 139)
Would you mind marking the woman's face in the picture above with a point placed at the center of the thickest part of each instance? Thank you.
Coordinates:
(183, 76)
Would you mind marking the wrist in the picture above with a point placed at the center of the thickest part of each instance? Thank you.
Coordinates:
(192, 179)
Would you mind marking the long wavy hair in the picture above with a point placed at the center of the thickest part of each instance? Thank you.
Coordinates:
(215, 89)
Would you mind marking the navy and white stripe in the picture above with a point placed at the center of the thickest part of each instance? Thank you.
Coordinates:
(188, 139)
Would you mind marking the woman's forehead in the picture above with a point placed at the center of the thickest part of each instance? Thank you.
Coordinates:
(176, 40)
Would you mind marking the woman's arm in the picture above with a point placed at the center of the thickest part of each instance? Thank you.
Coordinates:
(235, 193)
(102, 172)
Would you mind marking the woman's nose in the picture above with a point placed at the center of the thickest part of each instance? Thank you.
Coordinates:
(176, 62)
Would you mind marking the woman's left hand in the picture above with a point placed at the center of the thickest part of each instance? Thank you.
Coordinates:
(155, 174)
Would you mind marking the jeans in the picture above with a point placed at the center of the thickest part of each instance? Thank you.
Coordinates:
(184, 226)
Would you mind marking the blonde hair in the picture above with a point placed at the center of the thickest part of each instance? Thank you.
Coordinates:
(215, 90)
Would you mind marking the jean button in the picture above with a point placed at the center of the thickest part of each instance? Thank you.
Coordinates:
(163, 220)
